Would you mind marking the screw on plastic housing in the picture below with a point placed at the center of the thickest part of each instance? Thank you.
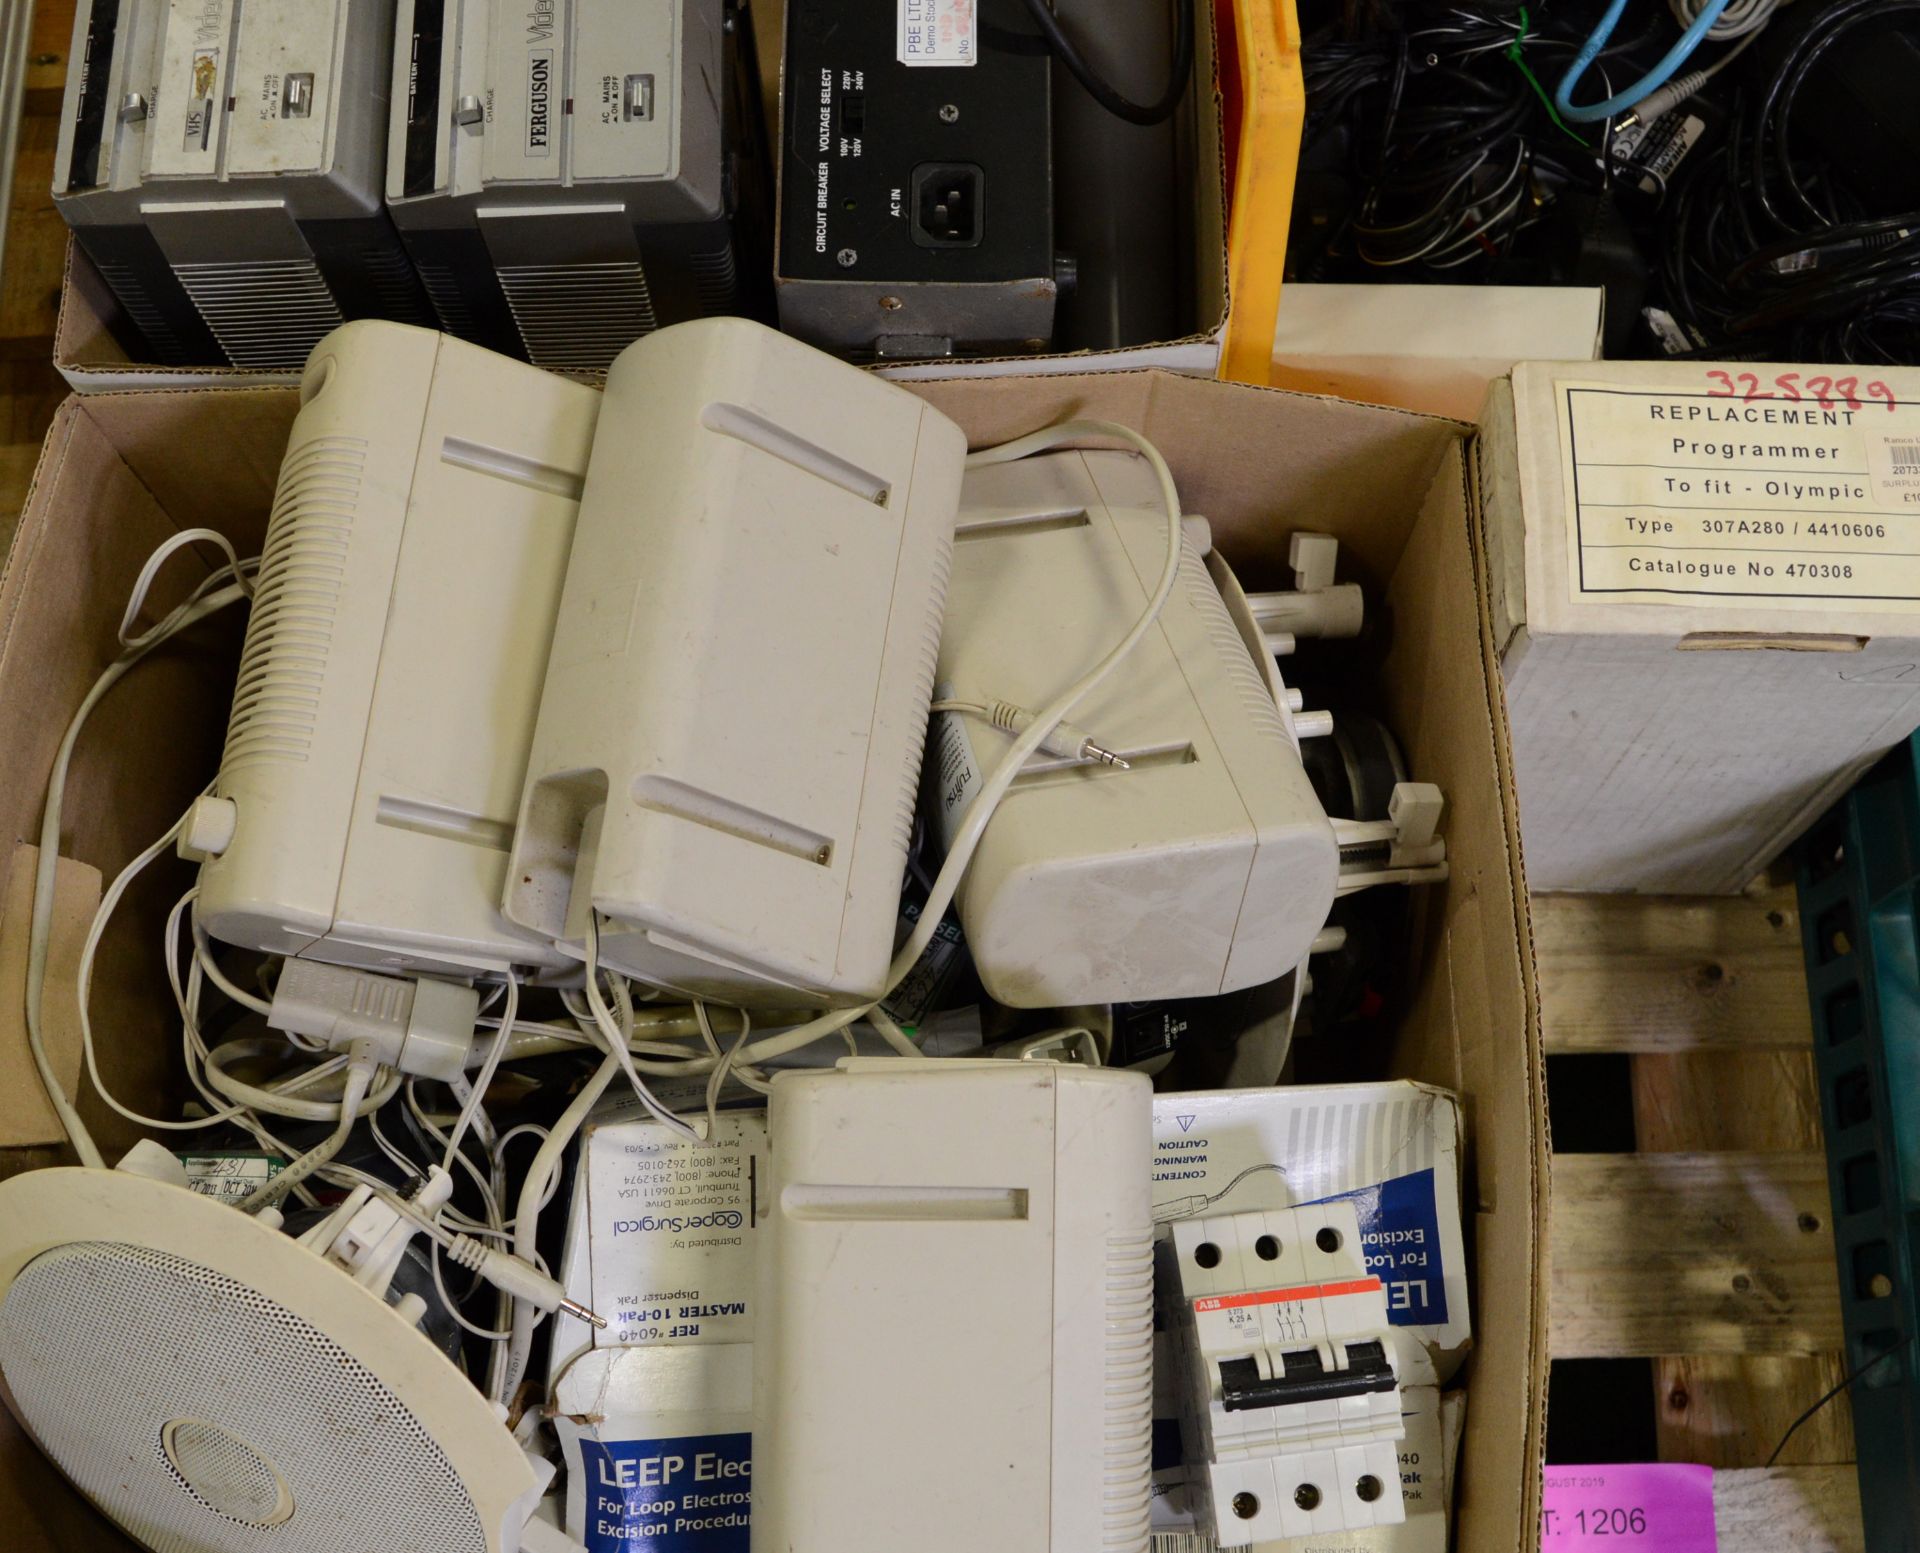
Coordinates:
(1307, 1497)
(890, 304)
(1368, 1488)
(1245, 1506)
(948, 113)
(848, 258)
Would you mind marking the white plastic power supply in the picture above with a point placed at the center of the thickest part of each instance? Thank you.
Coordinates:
(729, 739)
(954, 1344)
(394, 657)
(1205, 864)
(1290, 1408)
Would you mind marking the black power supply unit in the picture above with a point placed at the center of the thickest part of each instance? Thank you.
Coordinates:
(916, 200)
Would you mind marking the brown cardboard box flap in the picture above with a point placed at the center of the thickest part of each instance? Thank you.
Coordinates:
(27, 1117)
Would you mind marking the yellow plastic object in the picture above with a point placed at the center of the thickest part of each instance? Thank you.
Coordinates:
(1265, 157)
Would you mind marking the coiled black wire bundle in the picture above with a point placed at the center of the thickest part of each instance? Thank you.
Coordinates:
(1436, 112)
(1770, 249)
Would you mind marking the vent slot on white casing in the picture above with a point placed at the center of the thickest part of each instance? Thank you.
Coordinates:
(276, 697)
(1128, 1434)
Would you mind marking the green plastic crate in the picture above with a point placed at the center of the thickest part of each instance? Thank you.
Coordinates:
(1859, 884)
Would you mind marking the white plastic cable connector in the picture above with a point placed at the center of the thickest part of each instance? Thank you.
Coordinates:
(372, 1235)
(1290, 1393)
(1317, 606)
(519, 1278)
(1063, 740)
(368, 1234)
(421, 1027)
(1404, 848)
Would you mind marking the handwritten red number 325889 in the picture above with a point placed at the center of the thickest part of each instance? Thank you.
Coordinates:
(1827, 392)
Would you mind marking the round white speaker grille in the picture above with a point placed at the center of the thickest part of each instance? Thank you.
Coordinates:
(207, 1418)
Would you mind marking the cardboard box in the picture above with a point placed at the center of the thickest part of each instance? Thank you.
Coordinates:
(122, 471)
(1706, 600)
(92, 359)
(1432, 348)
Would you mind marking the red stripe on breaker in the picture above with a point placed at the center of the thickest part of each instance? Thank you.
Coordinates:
(1311, 1291)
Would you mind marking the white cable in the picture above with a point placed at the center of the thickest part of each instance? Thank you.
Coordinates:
(884, 1026)
(361, 1070)
(137, 599)
(617, 1037)
(279, 1099)
(728, 1063)
(452, 1309)
(40, 931)
(488, 1197)
(1662, 101)
(487, 1069)
(511, 1363)
(203, 951)
(1741, 18)
(533, 1128)
(95, 929)
(1065, 741)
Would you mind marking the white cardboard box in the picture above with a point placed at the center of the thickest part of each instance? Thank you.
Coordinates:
(1706, 599)
(655, 1414)
(1431, 348)
(1393, 1150)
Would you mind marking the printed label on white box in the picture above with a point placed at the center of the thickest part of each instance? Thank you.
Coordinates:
(670, 1225)
(1799, 486)
(685, 1495)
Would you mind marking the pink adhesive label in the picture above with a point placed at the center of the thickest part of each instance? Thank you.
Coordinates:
(1625, 1509)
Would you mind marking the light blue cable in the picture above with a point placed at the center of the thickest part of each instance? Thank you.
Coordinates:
(1649, 83)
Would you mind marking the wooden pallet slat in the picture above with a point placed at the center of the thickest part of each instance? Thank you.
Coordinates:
(1808, 1509)
(1626, 973)
(1731, 1410)
(1691, 1254)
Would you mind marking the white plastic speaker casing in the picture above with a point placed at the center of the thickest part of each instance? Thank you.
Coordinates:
(284, 1372)
(730, 737)
(394, 657)
(1207, 867)
(956, 1285)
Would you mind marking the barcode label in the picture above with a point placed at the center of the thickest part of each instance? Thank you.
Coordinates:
(1893, 463)
(1183, 1542)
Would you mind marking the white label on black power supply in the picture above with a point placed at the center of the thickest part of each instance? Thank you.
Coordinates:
(1657, 150)
(1800, 486)
(936, 32)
